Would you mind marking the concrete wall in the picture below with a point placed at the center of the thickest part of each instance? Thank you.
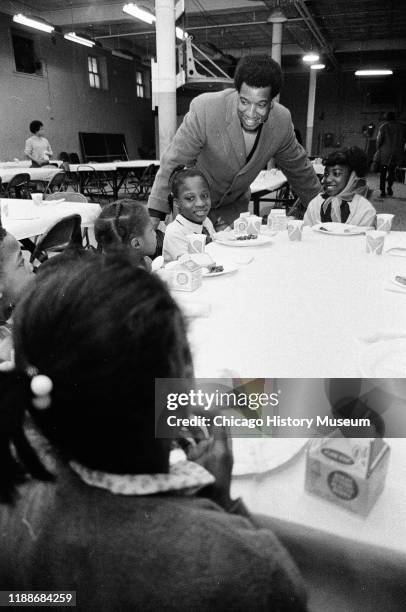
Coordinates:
(63, 99)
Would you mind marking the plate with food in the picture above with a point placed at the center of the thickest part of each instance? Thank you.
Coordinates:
(244, 241)
(339, 229)
(218, 270)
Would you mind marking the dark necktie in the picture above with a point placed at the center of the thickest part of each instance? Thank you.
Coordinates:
(205, 232)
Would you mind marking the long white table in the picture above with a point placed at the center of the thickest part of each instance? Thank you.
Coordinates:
(45, 215)
(45, 173)
(302, 310)
(299, 309)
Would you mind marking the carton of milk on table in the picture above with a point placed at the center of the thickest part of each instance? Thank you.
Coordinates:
(350, 472)
(277, 220)
(254, 225)
(186, 276)
(241, 226)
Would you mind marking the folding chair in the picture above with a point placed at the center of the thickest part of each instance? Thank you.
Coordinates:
(142, 187)
(17, 186)
(72, 196)
(63, 234)
(69, 196)
(56, 183)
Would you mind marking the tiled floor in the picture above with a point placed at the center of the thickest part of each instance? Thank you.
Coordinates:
(395, 205)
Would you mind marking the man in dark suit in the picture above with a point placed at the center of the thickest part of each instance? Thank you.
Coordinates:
(390, 143)
(231, 135)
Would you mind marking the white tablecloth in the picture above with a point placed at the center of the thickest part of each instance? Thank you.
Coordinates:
(112, 166)
(281, 494)
(45, 173)
(299, 309)
(46, 215)
(268, 180)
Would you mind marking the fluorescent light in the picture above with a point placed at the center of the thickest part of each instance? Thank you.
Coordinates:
(81, 40)
(133, 10)
(123, 55)
(317, 66)
(311, 57)
(373, 72)
(33, 23)
(181, 34)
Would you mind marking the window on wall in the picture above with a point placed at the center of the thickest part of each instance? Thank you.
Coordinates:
(139, 77)
(94, 72)
(25, 54)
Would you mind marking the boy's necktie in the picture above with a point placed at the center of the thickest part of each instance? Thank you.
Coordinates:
(205, 232)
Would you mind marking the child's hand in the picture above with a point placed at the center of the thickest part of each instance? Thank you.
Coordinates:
(216, 455)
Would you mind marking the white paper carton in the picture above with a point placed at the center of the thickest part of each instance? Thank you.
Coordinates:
(347, 471)
(187, 276)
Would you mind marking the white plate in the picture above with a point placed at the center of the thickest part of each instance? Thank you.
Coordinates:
(384, 359)
(227, 270)
(339, 229)
(261, 240)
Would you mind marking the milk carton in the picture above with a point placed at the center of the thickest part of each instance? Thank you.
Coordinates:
(347, 471)
(196, 243)
(277, 219)
(241, 226)
(254, 225)
(186, 276)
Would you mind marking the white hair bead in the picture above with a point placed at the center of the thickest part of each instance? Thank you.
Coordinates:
(41, 385)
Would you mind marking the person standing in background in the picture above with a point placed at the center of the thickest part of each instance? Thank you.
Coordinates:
(390, 143)
(37, 147)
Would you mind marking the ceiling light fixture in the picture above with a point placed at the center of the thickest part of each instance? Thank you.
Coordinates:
(81, 40)
(317, 66)
(133, 10)
(375, 72)
(32, 22)
(311, 57)
(277, 16)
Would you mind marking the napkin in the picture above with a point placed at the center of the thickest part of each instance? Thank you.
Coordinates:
(382, 336)
(396, 252)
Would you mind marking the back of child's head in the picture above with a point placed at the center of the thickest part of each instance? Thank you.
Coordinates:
(352, 157)
(179, 175)
(119, 222)
(108, 331)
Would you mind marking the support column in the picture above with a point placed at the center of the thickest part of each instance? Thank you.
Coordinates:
(276, 51)
(310, 110)
(166, 61)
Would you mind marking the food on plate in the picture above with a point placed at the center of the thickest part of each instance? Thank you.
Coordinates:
(247, 237)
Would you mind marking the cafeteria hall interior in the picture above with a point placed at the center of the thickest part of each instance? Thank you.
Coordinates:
(310, 313)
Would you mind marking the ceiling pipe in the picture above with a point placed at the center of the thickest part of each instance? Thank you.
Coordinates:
(314, 29)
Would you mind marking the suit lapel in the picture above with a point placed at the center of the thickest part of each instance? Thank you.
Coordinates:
(234, 131)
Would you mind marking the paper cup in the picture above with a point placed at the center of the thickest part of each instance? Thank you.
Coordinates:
(196, 243)
(37, 198)
(295, 230)
(384, 222)
(375, 241)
